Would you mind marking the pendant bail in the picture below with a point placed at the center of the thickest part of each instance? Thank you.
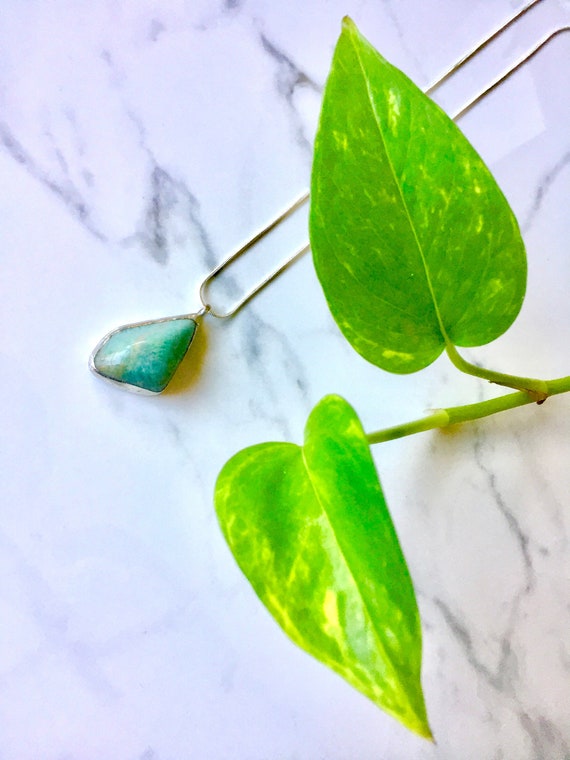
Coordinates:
(251, 243)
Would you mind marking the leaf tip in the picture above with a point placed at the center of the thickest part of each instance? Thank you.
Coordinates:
(428, 734)
(419, 725)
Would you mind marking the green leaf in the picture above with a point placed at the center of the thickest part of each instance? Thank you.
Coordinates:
(413, 241)
(310, 529)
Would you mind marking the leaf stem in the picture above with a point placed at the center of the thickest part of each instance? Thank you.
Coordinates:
(537, 389)
(455, 415)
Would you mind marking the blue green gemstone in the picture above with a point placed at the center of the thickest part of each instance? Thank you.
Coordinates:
(145, 355)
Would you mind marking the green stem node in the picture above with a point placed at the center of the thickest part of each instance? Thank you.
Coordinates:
(455, 415)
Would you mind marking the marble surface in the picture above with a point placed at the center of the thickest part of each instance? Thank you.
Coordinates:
(140, 141)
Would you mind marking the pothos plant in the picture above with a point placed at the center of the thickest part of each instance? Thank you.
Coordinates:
(418, 253)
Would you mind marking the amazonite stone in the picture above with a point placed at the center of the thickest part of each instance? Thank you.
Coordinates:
(144, 355)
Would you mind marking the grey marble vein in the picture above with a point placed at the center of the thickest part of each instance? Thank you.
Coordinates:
(260, 340)
(521, 538)
(546, 185)
(169, 200)
(502, 678)
(162, 201)
(547, 741)
(170, 197)
(553, 506)
(156, 29)
(149, 754)
(290, 77)
(66, 192)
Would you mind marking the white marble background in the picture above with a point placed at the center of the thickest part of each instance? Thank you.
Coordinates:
(139, 142)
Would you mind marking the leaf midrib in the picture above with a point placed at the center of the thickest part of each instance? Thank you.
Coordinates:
(372, 294)
(362, 596)
(395, 179)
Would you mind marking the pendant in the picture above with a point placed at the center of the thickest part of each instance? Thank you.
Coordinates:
(143, 356)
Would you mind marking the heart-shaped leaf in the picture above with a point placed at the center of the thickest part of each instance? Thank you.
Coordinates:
(413, 241)
(310, 529)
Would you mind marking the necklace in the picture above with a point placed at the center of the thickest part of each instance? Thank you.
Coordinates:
(144, 356)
